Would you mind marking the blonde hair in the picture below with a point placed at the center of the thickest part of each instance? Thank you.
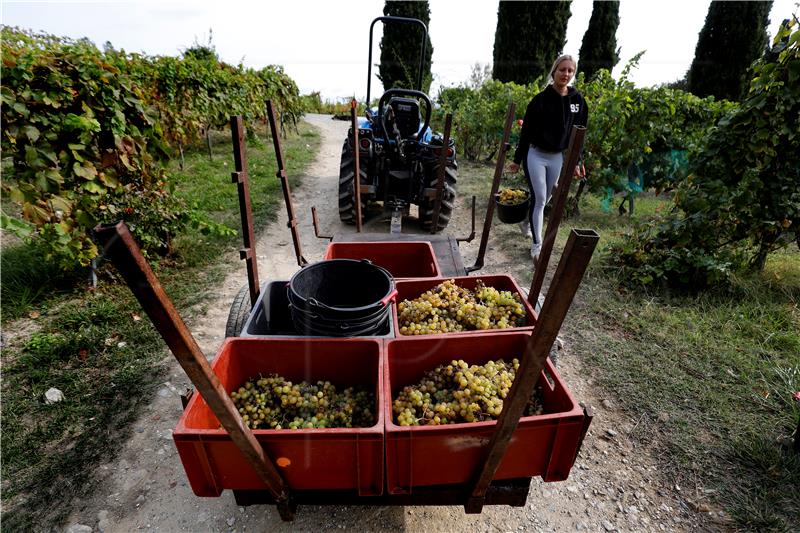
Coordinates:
(560, 59)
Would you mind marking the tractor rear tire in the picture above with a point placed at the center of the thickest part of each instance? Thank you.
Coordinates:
(347, 206)
(427, 206)
(240, 311)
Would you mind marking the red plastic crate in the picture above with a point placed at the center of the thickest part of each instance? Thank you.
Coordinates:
(544, 445)
(403, 259)
(411, 289)
(326, 458)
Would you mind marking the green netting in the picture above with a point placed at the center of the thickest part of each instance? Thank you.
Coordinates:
(658, 170)
(663, 169)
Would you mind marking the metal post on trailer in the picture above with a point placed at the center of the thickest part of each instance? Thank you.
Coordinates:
(287, 193)
(120, 247)
(357, 176)
(559, 202)
(472, 233)
(242, 180)
(315, 221)
(571, 267)
(448, 123)
(498, 172)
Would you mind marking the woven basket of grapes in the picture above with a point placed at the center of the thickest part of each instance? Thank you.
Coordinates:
(512, 205)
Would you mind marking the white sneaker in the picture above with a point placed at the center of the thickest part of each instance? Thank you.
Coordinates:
(525, 227)
(535, 249)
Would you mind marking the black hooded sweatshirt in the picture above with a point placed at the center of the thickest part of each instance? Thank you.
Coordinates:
(549, 119)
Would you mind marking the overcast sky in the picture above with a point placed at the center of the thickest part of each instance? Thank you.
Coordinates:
(323, 44)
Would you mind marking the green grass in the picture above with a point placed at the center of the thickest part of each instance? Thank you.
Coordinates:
(711, 376)
(29, 281)
(708, 377)
(49, 451)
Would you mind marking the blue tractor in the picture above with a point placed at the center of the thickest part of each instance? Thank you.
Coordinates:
(399, 155)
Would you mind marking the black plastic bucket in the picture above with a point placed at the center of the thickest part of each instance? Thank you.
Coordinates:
(341, 297)
(511, 214)
(311, 324)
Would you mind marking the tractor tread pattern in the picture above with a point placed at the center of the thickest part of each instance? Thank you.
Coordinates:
(426, 207)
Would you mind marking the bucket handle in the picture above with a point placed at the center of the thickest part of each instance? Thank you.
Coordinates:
(313, 303)
(391, 296)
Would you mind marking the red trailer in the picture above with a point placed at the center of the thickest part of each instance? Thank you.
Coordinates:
(470, 464)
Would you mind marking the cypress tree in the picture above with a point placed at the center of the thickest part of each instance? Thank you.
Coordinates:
(400, 47)
(733, 36)
(599, 46)
(528, 38)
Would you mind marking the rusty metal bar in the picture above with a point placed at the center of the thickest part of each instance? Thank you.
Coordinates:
(287, 193)
(357, 169)
(566, 281)
(316, 225)
(120, 247)
(498, 172)
(472, 233)
(448, 123)
(559, 201)
(242, 180)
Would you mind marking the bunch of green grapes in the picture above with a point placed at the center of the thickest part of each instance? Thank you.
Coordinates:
(457, 392)
(447, 308)
(272, 402)
(512, 196)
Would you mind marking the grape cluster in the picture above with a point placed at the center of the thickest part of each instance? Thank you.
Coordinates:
(512, 196)
(457, 392)
(447, 308)
(271, 402)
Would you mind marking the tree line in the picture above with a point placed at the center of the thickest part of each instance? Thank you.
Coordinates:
(530, 35)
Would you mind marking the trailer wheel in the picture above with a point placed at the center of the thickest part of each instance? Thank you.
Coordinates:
(427, 206)
(347, 170)
(240, 310)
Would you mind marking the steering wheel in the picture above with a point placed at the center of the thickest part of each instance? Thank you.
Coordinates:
(406, 92)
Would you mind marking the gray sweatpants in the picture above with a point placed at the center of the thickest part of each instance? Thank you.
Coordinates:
(542, 170)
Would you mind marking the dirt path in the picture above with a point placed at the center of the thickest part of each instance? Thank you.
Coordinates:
(613, 486)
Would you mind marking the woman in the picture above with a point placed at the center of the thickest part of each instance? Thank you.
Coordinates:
(545, 135)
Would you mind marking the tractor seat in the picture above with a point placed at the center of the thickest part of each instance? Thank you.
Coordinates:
(406, 114)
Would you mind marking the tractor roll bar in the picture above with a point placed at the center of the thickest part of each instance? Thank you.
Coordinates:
(421, 57)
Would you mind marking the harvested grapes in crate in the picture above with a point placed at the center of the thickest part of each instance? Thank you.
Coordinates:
(457, 392)
(448, 307)
(272, 402)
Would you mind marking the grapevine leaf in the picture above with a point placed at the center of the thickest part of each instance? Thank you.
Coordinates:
(20, 228)
(84, 172)
(31, 133)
